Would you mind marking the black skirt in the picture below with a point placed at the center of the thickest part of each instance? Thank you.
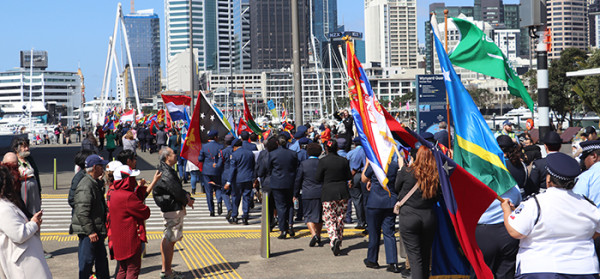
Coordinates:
(313, 210)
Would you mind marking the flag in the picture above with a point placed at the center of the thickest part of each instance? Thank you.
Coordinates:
(176, 105)
(203, 120)
(465, 199)
(225, 121)
(186, 118)
(284, 113)
(476, 148)
(271, 106)
(266, 134)
(128, 116)
(160, 116)
(369, 120)
(248, 115)
(153, 128)
(479, 53)
(243, 126)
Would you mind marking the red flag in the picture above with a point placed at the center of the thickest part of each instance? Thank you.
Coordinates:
(153, 128)
(193, 141)
(243, 126)
(160, 116)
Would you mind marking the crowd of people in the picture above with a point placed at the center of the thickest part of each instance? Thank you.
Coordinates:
(317, 175)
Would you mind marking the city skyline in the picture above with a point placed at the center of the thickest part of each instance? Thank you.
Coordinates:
(76, 33)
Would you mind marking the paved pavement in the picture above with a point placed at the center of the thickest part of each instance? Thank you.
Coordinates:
(211, 247)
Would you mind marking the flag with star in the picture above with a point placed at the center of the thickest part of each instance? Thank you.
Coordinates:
(464, 199)
(203, 121)
(475, 148)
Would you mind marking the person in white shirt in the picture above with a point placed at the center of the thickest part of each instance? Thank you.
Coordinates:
(555, 228)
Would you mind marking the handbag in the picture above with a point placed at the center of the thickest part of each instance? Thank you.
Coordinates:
(401, 203)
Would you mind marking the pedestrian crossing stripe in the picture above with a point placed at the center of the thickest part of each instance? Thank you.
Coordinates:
(65, 196)
(203, 259)
(207, 234)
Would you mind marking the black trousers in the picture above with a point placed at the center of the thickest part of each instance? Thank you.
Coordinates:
(283, 204)
(417, 228)
(499, 249)
(357, 199)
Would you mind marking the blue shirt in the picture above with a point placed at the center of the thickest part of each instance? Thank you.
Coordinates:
(294, 146)
(494, 213)
(588, 184)
(343, 153)
(357, 158)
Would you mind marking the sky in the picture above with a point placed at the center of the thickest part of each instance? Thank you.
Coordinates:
(75, 33)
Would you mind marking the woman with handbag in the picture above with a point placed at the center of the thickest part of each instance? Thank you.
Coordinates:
(420, 182)
(380, 216)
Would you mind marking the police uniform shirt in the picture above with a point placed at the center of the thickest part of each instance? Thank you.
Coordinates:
(494, 214)
(357, 158)
(561, 241)
(588, 184)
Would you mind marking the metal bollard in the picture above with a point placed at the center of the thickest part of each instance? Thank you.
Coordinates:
(54, 179)
(265, 248)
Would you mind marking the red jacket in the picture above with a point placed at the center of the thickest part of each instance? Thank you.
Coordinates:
(125, 220)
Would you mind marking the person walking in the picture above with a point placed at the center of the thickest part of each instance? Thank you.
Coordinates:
(172, 200)
(110, 143)
(242, 169)
(311, 193)
(161, 138)
(89, 219)
(417, 216)
(282, 165)
(333, 171)
(211, 172)
(129, 142)
(380, 212)
(90, 143)
(223, 161)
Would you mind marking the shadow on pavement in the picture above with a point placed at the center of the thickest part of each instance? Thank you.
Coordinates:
(217, 269)
(64, 251)
(286, 252)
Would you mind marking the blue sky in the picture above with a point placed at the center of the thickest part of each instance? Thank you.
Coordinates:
(75, 33)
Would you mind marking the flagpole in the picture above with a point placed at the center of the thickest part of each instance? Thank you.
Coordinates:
(447, 100)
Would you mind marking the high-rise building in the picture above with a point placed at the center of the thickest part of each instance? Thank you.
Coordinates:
(241, 34)
(271, 33)
(568, 23)
(391, 33)
(594, 23)
(212, 31)
(492, 11)
(438, 9)
(324, 21)
(512, 21)
(143, 34)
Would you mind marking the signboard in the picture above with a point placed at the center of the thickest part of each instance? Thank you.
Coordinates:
(335, 35)
(431, 102)
(353, 34)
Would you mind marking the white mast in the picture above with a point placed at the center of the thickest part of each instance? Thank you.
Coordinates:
(30, 91)
(331, 77)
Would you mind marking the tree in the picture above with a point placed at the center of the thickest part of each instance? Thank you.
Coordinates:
(563, 99)
(481, 96)
(408, 97)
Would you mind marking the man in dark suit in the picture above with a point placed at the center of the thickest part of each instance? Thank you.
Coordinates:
(211, 172)
(223, 161)
(442, 135)
(283, 164)
(245, 143)
(552, 142)
(242, 170)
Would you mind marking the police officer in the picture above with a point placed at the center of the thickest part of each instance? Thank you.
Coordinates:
(552, 143)
(283, 164)
(211, 172)
(300, 134)
(588, 183)
(242, 169)
(223, 161)
(357, 159)
(553, 225)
